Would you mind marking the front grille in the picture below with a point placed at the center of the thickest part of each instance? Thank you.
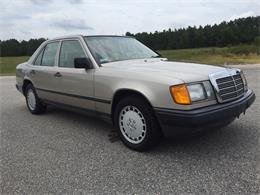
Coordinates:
(230, 87)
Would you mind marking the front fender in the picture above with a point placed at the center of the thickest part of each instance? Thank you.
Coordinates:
(158, 94)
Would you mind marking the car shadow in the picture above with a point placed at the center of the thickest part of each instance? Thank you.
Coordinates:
(209, 143)
(81, 118)
(232, 142)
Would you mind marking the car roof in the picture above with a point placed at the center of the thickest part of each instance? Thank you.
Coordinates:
(108, 36)
(67, 37)
(82, 36)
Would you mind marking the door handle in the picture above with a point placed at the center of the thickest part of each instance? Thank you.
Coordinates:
(57, 74)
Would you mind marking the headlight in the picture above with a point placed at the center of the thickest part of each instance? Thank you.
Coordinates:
(209, 90)
(196, 92)
(244, 80)
(186, 94)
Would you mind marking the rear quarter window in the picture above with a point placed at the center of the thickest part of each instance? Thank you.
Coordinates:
(38, 60)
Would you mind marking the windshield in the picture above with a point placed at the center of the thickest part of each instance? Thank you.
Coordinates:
(109, 49)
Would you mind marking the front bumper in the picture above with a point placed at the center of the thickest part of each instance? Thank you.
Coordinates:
(182, 121)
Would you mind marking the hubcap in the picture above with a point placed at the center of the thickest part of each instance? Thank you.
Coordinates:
(132, 124)
(31, 100)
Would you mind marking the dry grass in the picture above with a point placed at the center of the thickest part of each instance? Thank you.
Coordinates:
(216, 56)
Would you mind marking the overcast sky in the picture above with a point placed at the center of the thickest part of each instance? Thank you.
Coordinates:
(24, 19)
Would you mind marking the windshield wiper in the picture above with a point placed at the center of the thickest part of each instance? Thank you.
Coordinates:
(156, 56)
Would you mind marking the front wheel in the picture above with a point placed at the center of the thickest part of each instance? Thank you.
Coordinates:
(136, 123)
(34, 104)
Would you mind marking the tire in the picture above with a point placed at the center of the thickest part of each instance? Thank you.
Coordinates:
(34, 104)
(136, 123)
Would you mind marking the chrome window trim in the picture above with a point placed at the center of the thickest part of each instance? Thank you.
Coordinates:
(80, 38)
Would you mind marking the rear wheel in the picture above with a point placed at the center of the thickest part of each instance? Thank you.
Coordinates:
(136, 123)
(34, 104)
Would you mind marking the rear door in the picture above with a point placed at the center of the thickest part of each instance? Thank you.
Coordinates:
(74, 85)
(44, 69)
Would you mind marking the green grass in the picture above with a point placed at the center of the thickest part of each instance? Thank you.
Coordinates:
(8, 64)
(241, 54)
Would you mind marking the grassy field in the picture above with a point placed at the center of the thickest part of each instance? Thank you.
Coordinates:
(8, 64)
(242, 54)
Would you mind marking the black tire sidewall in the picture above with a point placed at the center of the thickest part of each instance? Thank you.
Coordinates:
(152, 128)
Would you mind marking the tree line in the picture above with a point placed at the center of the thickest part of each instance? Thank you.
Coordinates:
(12, 47)
(239, 31)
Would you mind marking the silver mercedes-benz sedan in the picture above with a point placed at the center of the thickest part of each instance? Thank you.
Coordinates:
(144, 95)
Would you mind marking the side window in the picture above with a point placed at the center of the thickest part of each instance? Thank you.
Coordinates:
(70, 50)
(49, 54)
(38, 60)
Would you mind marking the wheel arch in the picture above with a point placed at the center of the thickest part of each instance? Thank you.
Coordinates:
(122, 93)
(26, 81)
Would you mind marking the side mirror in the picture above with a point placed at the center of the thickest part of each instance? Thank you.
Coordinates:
(82, 63)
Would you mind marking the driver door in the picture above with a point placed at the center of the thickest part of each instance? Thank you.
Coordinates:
(74, 86)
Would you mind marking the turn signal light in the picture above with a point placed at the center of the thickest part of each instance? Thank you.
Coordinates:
(180, 94)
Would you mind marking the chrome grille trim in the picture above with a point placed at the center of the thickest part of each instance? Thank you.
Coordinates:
(228, 85)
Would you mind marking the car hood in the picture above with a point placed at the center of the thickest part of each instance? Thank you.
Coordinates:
(160, 67)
